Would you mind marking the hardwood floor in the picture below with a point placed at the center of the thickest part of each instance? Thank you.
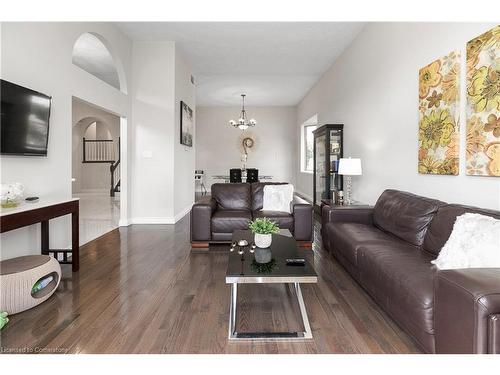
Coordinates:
(141, 290)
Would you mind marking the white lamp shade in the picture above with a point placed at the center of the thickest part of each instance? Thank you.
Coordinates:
(350, 166)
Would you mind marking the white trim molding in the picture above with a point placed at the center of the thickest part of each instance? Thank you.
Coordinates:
(152, 220)
(157, 220)
(183, 213)
(124, 222)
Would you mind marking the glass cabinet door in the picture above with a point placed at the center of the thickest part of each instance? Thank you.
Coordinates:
(335, 154)
(328, 145)
(320, 168)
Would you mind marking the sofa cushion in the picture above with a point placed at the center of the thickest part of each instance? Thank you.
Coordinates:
(226, 221)
(283, 219)
(401, 278)
(347, 238)
(232, 196)
(442, 224)
(405, 215)
(257, 191)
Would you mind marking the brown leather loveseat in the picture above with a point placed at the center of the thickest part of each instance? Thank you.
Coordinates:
(388, 250)
(233, 206)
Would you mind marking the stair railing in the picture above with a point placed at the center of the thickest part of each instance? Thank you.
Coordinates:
(114, 170)
(98, 151)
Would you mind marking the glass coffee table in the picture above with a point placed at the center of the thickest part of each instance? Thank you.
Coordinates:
(264, 266)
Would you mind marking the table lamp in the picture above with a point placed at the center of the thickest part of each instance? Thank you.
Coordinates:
(349, 167)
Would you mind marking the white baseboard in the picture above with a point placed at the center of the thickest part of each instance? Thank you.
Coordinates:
(157, 220)
(152, 220)
(183, 213)
(124, 223)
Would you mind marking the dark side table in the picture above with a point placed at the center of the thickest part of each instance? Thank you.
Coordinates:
(331, 203)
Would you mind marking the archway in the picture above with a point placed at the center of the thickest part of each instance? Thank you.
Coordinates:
(92, 53)
(96, 168)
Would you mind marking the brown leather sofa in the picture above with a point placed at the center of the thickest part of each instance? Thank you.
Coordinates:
(233, 206)
(388, 250)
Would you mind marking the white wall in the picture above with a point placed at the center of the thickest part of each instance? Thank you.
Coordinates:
(153, 100)
(38, 56)
(184, 156)
(163, 170)
(304, 180)
(373, 89)
(218, 145)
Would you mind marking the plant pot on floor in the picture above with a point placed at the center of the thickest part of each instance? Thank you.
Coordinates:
(263, 240)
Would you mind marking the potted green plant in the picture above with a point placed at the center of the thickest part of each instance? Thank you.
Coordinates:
(263, 228)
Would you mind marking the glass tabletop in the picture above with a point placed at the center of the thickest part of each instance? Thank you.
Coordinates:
(268, 265)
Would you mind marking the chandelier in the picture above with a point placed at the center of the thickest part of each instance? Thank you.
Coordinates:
(243, 123)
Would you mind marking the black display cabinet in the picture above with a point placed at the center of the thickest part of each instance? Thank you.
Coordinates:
(328, 149)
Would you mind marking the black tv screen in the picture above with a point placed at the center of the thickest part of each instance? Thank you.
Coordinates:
(24, 120)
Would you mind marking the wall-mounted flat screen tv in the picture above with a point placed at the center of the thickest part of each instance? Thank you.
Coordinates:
(24, 120)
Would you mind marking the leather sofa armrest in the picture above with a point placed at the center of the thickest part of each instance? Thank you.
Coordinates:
(201, 216)
(347, 214)
(494, 334)
(302, 212)
(466, 303)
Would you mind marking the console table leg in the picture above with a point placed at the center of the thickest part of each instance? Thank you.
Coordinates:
(75, 241)
(45, 237)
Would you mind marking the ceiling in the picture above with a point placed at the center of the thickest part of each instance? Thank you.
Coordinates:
(90, 54)
(274, 63)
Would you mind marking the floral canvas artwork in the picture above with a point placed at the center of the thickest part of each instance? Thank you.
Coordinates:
(439, 118)
(483, 104)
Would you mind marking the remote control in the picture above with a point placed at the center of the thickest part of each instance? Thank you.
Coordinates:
(295, 262)
(31, 199)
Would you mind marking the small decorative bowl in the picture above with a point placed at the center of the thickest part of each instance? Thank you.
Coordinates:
(9, 203)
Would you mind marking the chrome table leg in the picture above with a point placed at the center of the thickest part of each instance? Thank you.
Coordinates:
(303, 312)
(234, 335)
(232, 311)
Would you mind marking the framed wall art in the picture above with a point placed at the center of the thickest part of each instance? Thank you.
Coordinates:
(439, 116)
(483, 104)
(187, 125)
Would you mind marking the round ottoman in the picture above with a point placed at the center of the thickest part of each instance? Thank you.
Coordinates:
(19, 275)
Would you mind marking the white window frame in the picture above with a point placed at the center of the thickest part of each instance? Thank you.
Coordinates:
(312, 122)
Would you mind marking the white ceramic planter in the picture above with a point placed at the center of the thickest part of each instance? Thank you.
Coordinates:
(263, 240)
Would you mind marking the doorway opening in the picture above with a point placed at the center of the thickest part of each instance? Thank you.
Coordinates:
(96, 168)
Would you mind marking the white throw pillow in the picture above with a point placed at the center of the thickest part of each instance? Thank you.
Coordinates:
(473, 243)
(277, 198)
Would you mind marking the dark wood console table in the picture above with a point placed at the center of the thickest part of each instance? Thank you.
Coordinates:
(41, 212)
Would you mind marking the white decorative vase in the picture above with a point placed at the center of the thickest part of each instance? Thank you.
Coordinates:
(263, 240)
(11, 195)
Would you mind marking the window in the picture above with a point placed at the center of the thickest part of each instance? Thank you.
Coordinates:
(307, 147)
